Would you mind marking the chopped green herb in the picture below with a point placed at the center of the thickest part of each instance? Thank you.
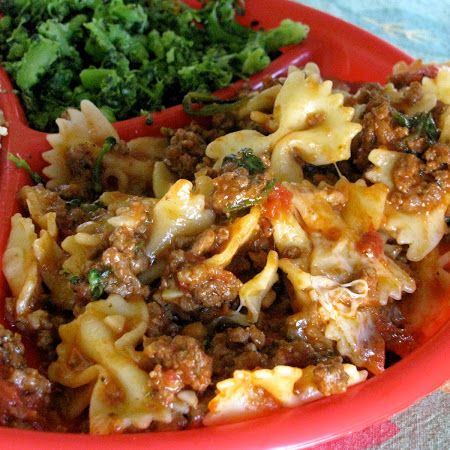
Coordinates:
(426, 126)
(96, 279)
(110, 142)
(149, 119)
(20, 163)
(247, 159)
(86, 207)
(91, 207)
(73, 203)
(248, 202)
(73, 279)
(401, 119)
(268, 187)
(242, 204)
(210, 104)
(421, 124)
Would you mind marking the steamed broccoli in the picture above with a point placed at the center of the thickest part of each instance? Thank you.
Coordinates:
(128, 57)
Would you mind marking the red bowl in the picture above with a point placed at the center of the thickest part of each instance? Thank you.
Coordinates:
(342, 51)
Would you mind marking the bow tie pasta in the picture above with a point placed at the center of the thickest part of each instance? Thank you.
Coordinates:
(309, 121)
(282, 251)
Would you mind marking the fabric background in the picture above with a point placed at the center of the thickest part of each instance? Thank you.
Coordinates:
(422, 29)
(419, 27)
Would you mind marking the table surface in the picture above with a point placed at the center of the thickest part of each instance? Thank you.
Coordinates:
(421, 29)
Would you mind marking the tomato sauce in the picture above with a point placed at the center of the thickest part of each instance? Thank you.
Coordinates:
(371, 244)
(277, 201)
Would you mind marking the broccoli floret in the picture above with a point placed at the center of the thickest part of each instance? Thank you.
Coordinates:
(289, 32)
(36, 61)
(128, 56)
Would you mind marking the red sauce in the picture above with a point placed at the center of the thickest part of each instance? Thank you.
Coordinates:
(278, 200)
(371, 244)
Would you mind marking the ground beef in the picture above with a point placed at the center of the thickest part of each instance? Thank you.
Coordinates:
(207, 286)
(412, 73)
(330, 377)
(68, 214)
(126, 260)
(236, 187)
(179, 361)
(409, 96)
(186, 149)
(420, 184)
(160, 321)
(80, 160)
(237, 348)
(25, 393)
(209, 241)
(42, 327)
(391, 324)
(379, 130)
(297, 353)
(11, 350)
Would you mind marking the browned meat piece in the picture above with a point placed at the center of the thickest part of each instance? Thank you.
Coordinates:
(80, 162)
(179, 362)
(209, 241)
(296, 353)
(330, 377)
(208, 286)
(410, 95)
(160, 321)
(414, 72)
(186, 149)
(126, 260)
(68, 216)
(11, 350)
(421, 185)
(235, 187)
(241, 335)
(25, 393)
(237, 348)
(379, 130)
(392, 326)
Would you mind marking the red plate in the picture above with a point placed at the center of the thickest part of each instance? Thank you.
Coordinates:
(342, 51)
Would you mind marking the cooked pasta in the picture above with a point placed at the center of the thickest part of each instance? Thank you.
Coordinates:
(262, 260)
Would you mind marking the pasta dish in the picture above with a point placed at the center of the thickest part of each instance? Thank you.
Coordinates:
(261, 258)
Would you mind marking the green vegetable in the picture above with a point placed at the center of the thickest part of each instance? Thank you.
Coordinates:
(73, 203)
(211, 104)
(93, 78)
(110, 142)
(86, 207)
(149, 119)
(288, 33)
(242, 204)
(39, 57)
(247, 159)
(96, 279)
(248, 202)
(20, 163)
(73, 279)
(129, 56)
(422, 124)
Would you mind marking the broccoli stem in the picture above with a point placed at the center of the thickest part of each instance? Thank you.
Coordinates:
(92, 78)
